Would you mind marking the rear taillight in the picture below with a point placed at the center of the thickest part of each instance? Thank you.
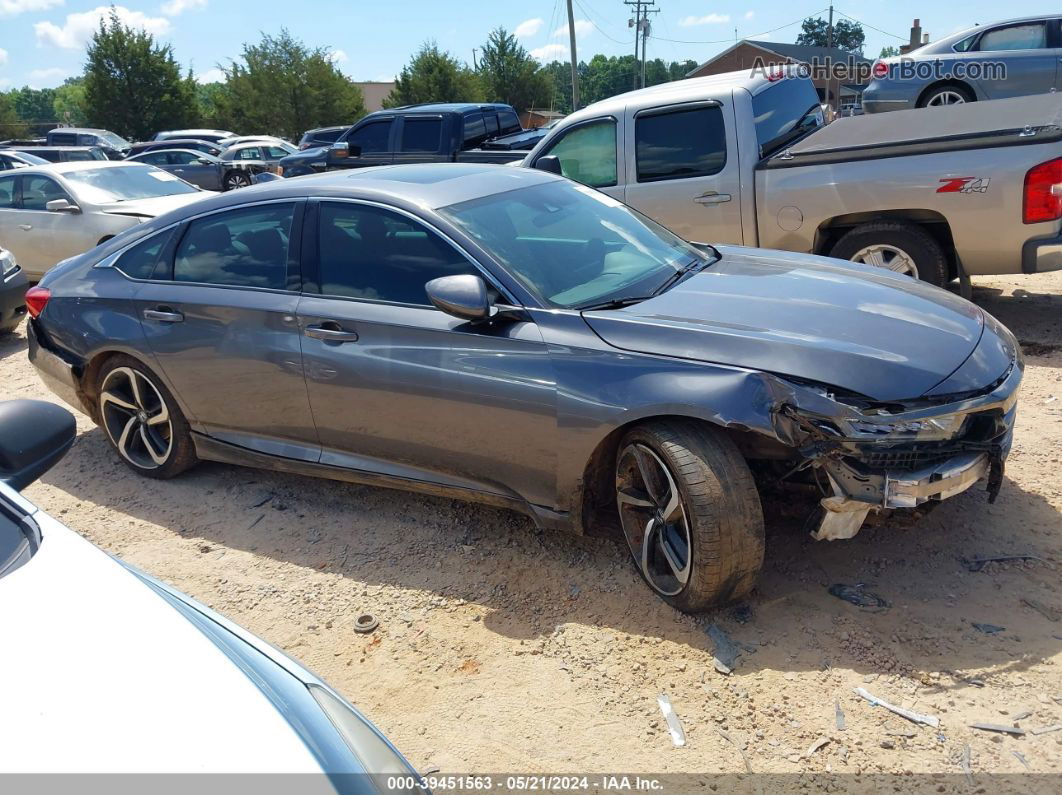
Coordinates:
(36, 300)
(1042, 200)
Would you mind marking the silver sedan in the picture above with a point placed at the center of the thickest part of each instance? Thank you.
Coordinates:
(49, 213)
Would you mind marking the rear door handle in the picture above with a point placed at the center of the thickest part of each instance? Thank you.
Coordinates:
(331, 333)
(712, 198)
(163, 315)
(25, 227)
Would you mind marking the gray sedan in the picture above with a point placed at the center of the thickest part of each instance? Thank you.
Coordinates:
(1004, 59)
(49, 213)
(199, 168)
(508, 336)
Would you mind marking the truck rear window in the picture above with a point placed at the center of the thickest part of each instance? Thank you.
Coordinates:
(421, 135)
(779, 110)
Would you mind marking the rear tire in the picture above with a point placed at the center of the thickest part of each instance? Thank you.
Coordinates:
(704, 548)
(885, 244)
(949, 94)
(142, 421)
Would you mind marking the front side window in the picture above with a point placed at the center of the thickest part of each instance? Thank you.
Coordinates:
(139, 261)
(372, 137)
(246, 248)
(1032, 36)
(185, 158)
(81, 155)
(125, 183)
(154, 159)
(63, 139)
(37, 191)
(368, 252)
(573, 246)
(682, 144)
(7, 193)
(421, 135)
(587, 153)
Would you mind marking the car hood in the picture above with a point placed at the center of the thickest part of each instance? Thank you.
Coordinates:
(150, 208)
(862, 329)
(105, 676)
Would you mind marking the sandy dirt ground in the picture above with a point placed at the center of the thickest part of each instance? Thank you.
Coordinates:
(505, 649)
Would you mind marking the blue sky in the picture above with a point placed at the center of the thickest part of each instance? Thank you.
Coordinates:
(43, 41)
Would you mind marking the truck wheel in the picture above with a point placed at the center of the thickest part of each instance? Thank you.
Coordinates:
(142, 420)
(904, 248)
(951, 94)
(690, 513)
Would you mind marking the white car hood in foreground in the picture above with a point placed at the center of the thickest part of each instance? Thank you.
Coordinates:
(150, 208)
(100, 674)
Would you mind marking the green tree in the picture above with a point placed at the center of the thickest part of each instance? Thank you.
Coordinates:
(508, 74)
(434, 76)
(11, 126)
(847, 35)
(69, 102)
(134, 86)
(283, 87)
(210, 97)
(889, 52)
(34, 104)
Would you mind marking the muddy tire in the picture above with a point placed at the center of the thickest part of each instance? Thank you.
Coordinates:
(142, 421)
(690, 513)
(896, 246)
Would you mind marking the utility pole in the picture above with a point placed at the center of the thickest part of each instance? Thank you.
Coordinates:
(640, 23)
(575, 58)
(829, 29)
(475, 66)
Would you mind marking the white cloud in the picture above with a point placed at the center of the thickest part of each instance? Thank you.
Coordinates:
(550, 52)
(707, 19)
(528, 28)
(582, 28)
(175, 7)
(3, 55)
(40, 78)
(5, 82)
(338, 56)
(750, 14)
(78, 29)
(214, 75)
(9, 8)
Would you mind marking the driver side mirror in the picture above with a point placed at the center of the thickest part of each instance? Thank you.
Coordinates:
(550, 163)
(61, 206)
(344, 149)
(465, 296)
(34, 435)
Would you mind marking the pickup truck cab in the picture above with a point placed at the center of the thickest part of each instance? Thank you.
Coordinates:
(937, 193)
(432, 133)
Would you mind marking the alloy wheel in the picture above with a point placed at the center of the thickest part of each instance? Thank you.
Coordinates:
(946, 97)
(235, 181)
(654, 519)
(888, 257)
(136, 418)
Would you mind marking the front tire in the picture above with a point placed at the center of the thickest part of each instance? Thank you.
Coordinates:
(235, 180)
(690, 513)
(142, 421)
(903, 248)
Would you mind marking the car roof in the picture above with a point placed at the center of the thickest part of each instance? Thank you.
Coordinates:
(164, 150)
(327, 129)
(448, 107)
(59, 148)
(90, 130)
(79, 165)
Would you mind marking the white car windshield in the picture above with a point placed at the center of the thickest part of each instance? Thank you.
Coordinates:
(125, 183)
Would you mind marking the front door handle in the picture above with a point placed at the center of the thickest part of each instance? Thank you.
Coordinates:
(163, 314)
(712, 198)
(25, 227)
(331, 332)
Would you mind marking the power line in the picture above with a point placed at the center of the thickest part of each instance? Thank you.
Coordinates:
(865, 25)
(590, 19)
(753, 36)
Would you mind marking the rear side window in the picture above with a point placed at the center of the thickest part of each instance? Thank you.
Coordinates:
(679, 145)
(475, 129)
(490, 122)
(509, 122)
(87, 140)
(778, 110)
(373, 137)
(587, 153)
(421, 135)
(367, 252)
(1032, 36)
(245, 248)
(277, 152)
(139, 261)
(250, 153)
(7, 192)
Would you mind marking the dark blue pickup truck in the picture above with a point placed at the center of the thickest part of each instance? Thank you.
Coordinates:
(432, 133)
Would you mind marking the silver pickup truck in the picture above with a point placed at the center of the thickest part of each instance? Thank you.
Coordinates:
(938, 193)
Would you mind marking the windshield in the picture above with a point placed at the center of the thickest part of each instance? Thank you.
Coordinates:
(105, 185)
(115, 141)
(572, 246)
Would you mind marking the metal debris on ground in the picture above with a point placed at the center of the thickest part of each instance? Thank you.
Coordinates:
(914, 717)
(997, 727)
(908, 735)
(678, 736)
(739, 746)
(1046, 729)
(366, 623)
(855, 595)
(965, 762)
(976, 564)
(724, 652)
(1021, 758)
(816, 746)
(988, 629)
(1048, 612)
(1022, 715)
(838, 716)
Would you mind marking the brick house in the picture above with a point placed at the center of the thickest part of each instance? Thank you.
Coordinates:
(838, 74)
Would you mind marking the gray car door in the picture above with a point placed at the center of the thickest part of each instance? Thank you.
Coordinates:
(219, 316)
(195, 169)
(1017, 59)
(399, 387)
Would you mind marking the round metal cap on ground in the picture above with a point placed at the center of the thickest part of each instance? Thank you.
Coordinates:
(366, 622)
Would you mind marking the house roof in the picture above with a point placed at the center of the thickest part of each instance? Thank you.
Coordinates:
(802, 53)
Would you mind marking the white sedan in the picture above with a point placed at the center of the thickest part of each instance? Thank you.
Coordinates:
(49, 213)
(113, 671)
